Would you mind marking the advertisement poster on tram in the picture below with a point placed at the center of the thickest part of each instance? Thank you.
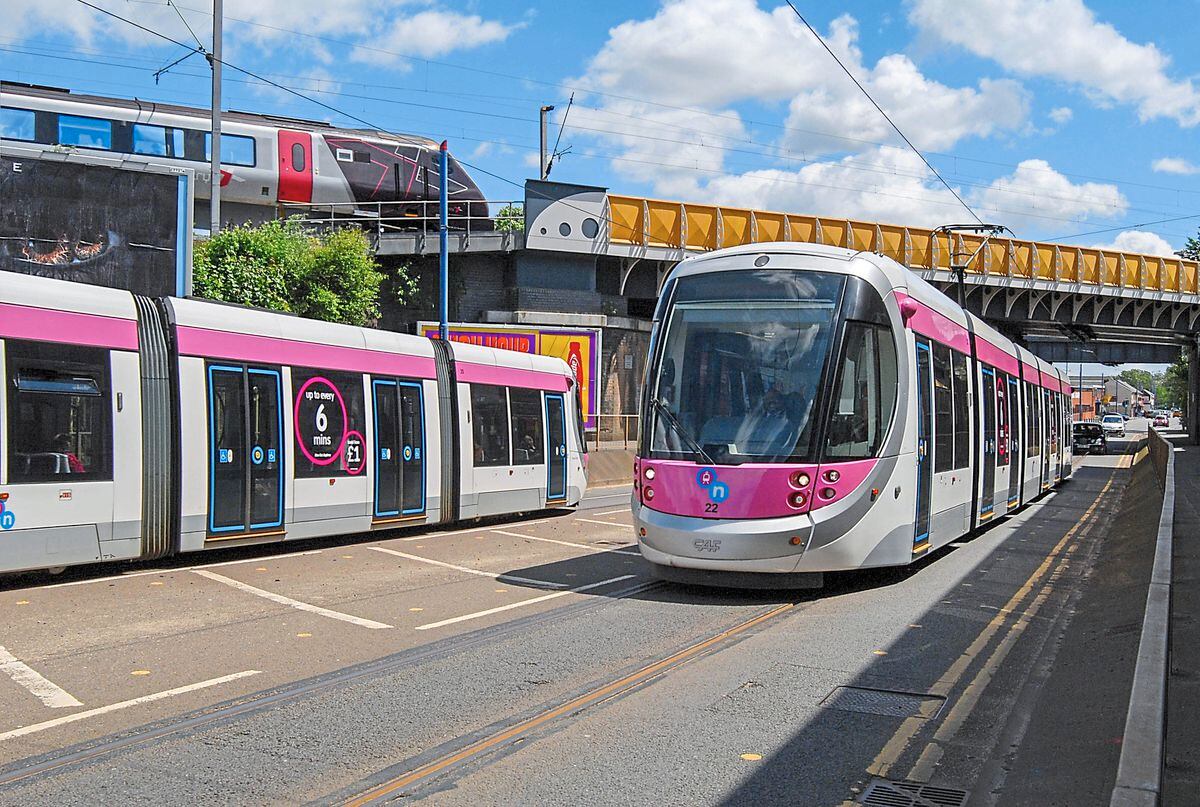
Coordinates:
(578, 347)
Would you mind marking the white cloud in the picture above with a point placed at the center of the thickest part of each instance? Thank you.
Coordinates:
(1061, 114)
(1062, 39)
(1035, 193)
(1139, 241)
(1175, 165)
(392, 25)
(428, 34)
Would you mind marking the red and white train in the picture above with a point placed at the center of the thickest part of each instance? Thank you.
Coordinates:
(810, 409)
(133, 427)
(266, 160)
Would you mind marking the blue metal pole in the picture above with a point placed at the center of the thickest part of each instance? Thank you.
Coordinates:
(444, 314)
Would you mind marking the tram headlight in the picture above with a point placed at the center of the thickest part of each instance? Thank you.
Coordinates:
(649, 474)
(831, 476)
(797, 499)
(648, 493)
(827, 493)
(800, 479)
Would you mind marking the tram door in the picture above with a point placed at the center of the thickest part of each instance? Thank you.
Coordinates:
(1047, 440)
(556, 442)
(924, 435)
(1016, 467)
(987, 496)
(245, 426)
(399, 448)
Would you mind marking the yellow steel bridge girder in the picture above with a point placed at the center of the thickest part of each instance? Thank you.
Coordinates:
(646, 222)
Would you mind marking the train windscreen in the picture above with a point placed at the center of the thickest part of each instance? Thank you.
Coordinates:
(741, 366)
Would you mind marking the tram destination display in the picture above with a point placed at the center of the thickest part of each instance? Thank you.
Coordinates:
(66, 217)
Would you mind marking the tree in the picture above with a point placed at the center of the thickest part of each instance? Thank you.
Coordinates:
(1191, 249)
(281, 266)
(510, 218)
(1174, 387)
(1139, 379)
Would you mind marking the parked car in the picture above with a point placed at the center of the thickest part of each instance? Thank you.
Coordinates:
(1161, 419)
(1087, 437)
(1113, 425)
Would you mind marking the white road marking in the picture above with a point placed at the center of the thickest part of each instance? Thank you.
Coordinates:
(523, 603)
(180, 569)
(288, 601)
(468, 570)
(614, 512)
(623, 551)
(113, 707)
(604, 523)
(46, 691)
(430, 535)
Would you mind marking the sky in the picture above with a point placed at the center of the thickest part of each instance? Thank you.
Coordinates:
(1063, 120)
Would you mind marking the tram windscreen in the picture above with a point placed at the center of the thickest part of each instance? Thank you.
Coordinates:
(741, 365)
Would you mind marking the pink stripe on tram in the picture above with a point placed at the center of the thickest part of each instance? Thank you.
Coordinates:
(207, 343)
(510, 377)
(45, 325)
(935, 325)
(996, 356)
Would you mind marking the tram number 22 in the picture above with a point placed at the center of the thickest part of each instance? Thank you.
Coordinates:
(710, 507)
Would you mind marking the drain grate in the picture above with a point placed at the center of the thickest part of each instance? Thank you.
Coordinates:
(886, 702)
(886, 793)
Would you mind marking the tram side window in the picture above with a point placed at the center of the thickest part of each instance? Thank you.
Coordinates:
(17, 124)
(489, 425)
(528, 441)
(59, 413)
(92, 133)
(962, 410)
(1033, 446)
(943, 451)
(865, 394)
(330, 421)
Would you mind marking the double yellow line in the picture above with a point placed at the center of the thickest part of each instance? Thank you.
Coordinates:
(895, 747)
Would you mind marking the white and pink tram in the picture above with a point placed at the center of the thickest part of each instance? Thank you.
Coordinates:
(810, 409)
(133, 427)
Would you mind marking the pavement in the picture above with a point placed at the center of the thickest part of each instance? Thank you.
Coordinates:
(534, 661)
(1181, 779)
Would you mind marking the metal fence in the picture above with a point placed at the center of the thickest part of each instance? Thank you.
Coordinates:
(411, 217)
(614, 432)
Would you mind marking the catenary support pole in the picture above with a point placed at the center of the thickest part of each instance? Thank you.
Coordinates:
(444, 263)
(214, 204)
(544, 167)
(1191, 406)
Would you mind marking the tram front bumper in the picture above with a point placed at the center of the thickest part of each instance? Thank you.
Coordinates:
(770, 545)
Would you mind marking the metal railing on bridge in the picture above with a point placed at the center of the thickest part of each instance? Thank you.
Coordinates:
(416, 217)
(699, 228)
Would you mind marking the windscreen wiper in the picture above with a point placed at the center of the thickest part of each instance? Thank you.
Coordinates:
(681, 430)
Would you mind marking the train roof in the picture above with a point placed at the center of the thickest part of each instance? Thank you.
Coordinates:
(65, 295)
(139, 105)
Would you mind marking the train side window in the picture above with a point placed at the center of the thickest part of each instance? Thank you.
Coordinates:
(298, 161)
(235, 149)
(150, 140)
(962, 410)
(92, 133)
(865, 394)
(17, 124)
(59, 413)
(489, 425)
(943, 410)
(528, 441)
